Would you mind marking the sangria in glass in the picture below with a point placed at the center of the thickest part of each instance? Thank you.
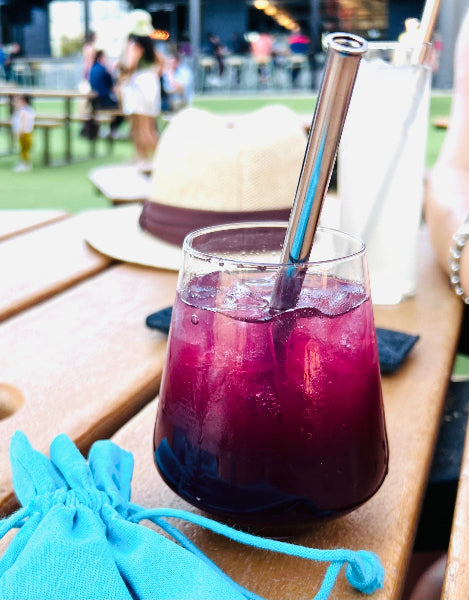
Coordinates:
(271, 419)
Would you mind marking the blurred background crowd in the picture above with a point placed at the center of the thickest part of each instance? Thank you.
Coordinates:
(219, 45)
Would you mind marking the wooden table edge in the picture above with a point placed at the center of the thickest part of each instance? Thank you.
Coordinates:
(456, 579)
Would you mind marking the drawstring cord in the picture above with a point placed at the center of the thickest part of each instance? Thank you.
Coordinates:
(17, 519)
(364, 570)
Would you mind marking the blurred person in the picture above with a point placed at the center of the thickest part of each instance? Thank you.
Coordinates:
(408, 39)
(3, 59)
(102, 82)
(184, 48)
(437, 48)
(240, 48)
(447, 191)
(177, 83)
(11, 50)
(88, 54)
(298, 44)
(22, 123)
(140, 88)
(87, 58)
(218, 51)
(262, 46)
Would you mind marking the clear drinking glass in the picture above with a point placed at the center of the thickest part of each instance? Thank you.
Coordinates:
(271, 419)
(381, 166)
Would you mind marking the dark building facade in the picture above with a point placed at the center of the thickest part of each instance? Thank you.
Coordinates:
(384, 18)
(26, 21)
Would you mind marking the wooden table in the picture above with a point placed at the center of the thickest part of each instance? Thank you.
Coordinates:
(13, 222)
(68, 96)
(78, 358)
(456, 581)
(73, 339)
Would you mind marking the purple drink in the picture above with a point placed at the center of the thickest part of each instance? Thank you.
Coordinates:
(267, 417)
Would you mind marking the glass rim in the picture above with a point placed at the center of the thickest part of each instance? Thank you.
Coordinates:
(206, 256)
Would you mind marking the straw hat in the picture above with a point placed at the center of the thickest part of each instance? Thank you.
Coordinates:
(206, 171)
(139, 23)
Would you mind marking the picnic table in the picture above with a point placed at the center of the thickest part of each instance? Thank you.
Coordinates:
(120, 184)
(49, 122)
(78, 358)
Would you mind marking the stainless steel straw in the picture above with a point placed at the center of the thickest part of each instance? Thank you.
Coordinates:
(344, 53)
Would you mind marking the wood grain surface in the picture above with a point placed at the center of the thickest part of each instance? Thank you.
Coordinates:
(76, 353)
(43, 262)
(13, 222)
(84, 361)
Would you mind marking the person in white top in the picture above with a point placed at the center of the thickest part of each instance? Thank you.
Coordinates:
(22, 123)
(139, 88)
(447, 192)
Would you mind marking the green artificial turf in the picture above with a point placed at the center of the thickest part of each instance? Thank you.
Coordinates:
(67, 187)
(461, 368)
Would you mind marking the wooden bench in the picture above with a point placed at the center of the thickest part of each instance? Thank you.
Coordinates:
(46, 125)
(120, 184)
(47, 122)
(102, 117)
(440, 122)
(6, 124)
(101, 120)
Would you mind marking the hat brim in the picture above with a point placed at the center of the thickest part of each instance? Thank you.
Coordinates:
(115, 232)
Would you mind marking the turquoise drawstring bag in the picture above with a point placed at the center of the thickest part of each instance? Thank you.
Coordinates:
(79, 536)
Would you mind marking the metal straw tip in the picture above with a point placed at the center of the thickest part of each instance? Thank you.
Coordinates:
(347, 43)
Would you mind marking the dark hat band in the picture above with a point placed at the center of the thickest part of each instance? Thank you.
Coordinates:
(172, 223)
